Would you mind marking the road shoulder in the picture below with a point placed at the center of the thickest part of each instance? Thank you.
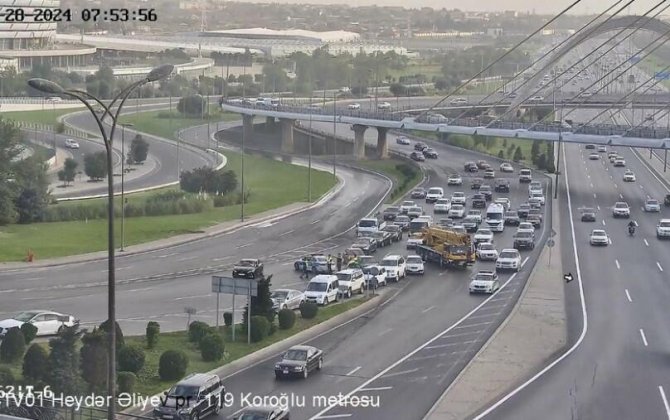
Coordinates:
(534, 333)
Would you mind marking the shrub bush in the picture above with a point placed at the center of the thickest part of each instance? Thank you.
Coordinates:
(228, 318)
(308, 310)
(131, 358)
(286, 319)
(13, 346)
(6, 376)
(29, 332)
(126, 382)
(35, 363)
(212, 347)
(120, 342)
(153, 331)
(260, 327)
(172, 365)
(273, 328)
(197, 330)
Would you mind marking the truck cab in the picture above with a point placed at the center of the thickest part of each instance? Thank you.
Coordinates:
(495, 217)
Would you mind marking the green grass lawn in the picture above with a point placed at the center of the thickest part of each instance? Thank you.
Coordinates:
(46, 116)
(429, 70)
(272, 184)
(149, 122)
(388, 168)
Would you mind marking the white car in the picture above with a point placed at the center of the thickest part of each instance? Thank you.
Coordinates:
(442, 205)
(414, 212)
(476, 214)
(384, 105)
(534, 186)
(484, 282)
(414, 240)
(652, 205)
(71, 144)
(483, 235)
(504, 201)
(628, 176)
(455, 180)
(395, 266)
(458, 198)
(599, 237)
(459, 101)
(434, 194)
(525, 226)
(354, 106)
(406, 205)
(619, 161)
(663, 229)
(594, 156)
(536, 99)
(537, 195)
(414, 264)
(286, 299)
(602, 149)
(506, 167)
(351, 281)
(47, 322)
(457, 211)
(621, 209)
(402, 140)
(486, 251)
(374, 273)
(509, 259)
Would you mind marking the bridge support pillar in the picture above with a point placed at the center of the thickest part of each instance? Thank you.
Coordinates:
(270, 122)
(287, 135)
(382, 145)
(359, 141)
(247, 128)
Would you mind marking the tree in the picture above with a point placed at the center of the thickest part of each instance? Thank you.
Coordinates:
(120, 342)
(95, 165)
(518, 156)
(29, 332)
(31, 188)
(13, 345)
(64, 361)
(30, 206)
(69, 169)
(131, 358)
(501, 154)
(35, 363)
(262, 304)
(208, 180)
(172, 365)
(398, 89)
(93, 356)
(542, 161)
(139, 149)
(535, 151)
(193, 105)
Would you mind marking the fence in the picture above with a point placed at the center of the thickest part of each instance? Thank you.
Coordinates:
(50, 128)
(45, 409)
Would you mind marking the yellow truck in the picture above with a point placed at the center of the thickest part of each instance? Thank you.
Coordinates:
(446, 247)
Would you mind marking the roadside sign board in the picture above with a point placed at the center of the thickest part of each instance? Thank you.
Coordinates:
(234, 286)
(553, 233)
(550, 243)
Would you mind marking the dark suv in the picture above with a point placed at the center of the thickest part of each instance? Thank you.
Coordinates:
(478, 201)
(194, 397)
(249, 268)
(524, 240)
(419, 147)
(502, 185)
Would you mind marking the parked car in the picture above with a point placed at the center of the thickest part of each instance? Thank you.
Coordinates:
(47, 322)
(286, 299)
(299, 361)
(249, 268)
(351, 281)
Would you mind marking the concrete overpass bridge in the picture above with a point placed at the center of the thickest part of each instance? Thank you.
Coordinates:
(601, 134)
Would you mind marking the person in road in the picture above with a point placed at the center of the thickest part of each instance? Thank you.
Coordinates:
(339, 261)
(330, 264)
(305, 269)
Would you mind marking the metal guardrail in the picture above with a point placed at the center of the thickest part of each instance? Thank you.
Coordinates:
(49, 128)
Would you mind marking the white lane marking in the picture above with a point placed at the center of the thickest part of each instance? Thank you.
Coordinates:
(646, 243)
(287, 233)
(598, 207)
(315, 222)
(609, 241)
(621, 196)
(124, 268)
(222, 258)
(354, 370)
(462, 334)
(441, 346)
(187, 258)
(379, 388)
(630, 299)
(168, 255)
(245, 245)
(591, 185)
(430, 308)
(652, 174)
(615, 185)
(386, 331)
(604, 224)
(287, 263)
(641, 187)
(659, 266)
(617, 264)
(333, 416)
(192, 297)
(644, 338)
(348, 204)
(584, 314)
(665, 401)
(595, 195)
(404, 372)
(474, 325)
(524, 262)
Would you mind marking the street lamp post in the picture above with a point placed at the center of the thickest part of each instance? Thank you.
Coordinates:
(123, 175)
(50, 87)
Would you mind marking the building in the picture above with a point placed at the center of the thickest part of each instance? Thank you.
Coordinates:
(31, 42)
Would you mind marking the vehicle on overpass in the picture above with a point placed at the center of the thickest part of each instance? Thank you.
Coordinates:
(396, 267)
(355, 106)
(447, 247)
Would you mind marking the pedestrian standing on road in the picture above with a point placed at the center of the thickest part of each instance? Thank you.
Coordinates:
(305, 270)
(339, 261)
(330, 264)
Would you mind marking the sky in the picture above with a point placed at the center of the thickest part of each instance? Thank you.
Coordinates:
(551, 6)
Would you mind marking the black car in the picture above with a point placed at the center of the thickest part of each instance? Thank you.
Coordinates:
(430, 153)
(402, 221)
(383, 238)
(485, 190)
(478, 201)
(476, 183)
(263, 413)
(512, 218)
(390, 213)
(367, 245)
(419, 146)
(535, 220)
(588, 215)
(419, 193)
(590, 146)
(471, 167)
(196, 396)
(524, 240)
(502, 185)
(395, 231)
(417, 156)
(249, 268)
(523, 210)
(299, 361)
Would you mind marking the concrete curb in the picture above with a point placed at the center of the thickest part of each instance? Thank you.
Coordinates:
(273, 350)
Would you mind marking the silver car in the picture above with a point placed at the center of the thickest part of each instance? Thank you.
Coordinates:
(287, 299)
(652, 205)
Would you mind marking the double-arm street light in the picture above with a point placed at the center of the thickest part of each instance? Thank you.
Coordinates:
(49, 87)
(123, 190)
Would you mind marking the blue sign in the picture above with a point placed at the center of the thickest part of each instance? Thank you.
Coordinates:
(662, 75)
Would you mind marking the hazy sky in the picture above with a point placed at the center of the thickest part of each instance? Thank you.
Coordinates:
(542, 6)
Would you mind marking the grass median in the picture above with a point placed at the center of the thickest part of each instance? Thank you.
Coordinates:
(154, 123)
(149, 383)
(47, 116)
(402, 181)
(273, 184)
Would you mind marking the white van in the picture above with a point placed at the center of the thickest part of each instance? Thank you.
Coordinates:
(525, 175)
(495, 217)
(322, 289)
